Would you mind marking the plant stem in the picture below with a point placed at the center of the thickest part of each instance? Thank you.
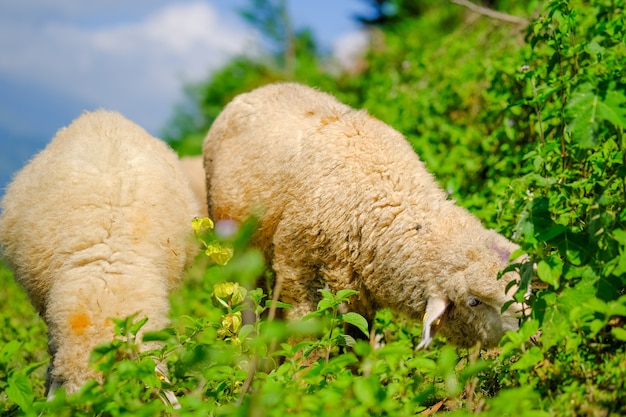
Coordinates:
(505, 17)
(538, 110)
(621, 140)
(248, 382)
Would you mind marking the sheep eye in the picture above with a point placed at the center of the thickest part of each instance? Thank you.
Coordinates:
(418, 227)
(473, 302)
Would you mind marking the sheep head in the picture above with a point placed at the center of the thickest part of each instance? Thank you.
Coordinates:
(467, 307)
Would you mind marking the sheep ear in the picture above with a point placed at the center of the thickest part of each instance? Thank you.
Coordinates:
(434, 317)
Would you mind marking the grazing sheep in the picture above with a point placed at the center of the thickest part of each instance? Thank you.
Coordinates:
(97, 225)
(194, 168)
(343, 201)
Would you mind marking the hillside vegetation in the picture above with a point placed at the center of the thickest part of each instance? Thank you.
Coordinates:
(520, 115)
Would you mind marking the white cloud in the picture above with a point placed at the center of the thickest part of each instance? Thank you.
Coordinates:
(180, 29)
(137, 67)
(347, 49)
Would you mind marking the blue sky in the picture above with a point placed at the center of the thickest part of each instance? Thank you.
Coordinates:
(58, 58)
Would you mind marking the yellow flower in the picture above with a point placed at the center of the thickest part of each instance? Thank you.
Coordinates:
(219, 253)
(232, 322)
(229, 294)
(202, 225)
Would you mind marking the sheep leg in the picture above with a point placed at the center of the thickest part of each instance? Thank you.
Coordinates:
(298, 278)
(295, 285)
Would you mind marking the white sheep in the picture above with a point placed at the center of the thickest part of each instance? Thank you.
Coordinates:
(97, 226)
(194, 168)
(343, 201)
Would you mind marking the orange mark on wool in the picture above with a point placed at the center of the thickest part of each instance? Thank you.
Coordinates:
(326, 120)
(141, 226)
(79, 322)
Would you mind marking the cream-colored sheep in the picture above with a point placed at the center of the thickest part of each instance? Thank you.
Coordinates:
(96, 226)
(343, 201)
(194, 168)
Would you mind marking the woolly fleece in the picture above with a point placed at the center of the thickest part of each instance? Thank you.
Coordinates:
(194, 169)
(97, 225)
(343, 201)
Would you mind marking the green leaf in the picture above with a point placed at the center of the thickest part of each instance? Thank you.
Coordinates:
(587, 110)
(549, 271)
(551, 233)
(575, 246)
(345, 340)
(620, 268)
(356, 320)
(327, 295)
(134, 328)
(620, 236)
(245, 331)
(612, 108)
(364, 392)
(344, 295)
(594, 48)
(104, 349)
(518, 402)
(343, 361)
(32, 367)
(20, 392)
(526, 275)
(582, 110)
(422, 363)
(529, 359)
(9, 350)
(616, 308)
(619, 333)
(326, 304)
(279, 304)
(156, 336)
(514, 340)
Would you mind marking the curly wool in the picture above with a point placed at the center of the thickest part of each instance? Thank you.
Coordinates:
(343, 201)
(97, 226)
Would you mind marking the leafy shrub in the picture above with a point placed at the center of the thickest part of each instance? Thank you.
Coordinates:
(572, 204)
(219, 364)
